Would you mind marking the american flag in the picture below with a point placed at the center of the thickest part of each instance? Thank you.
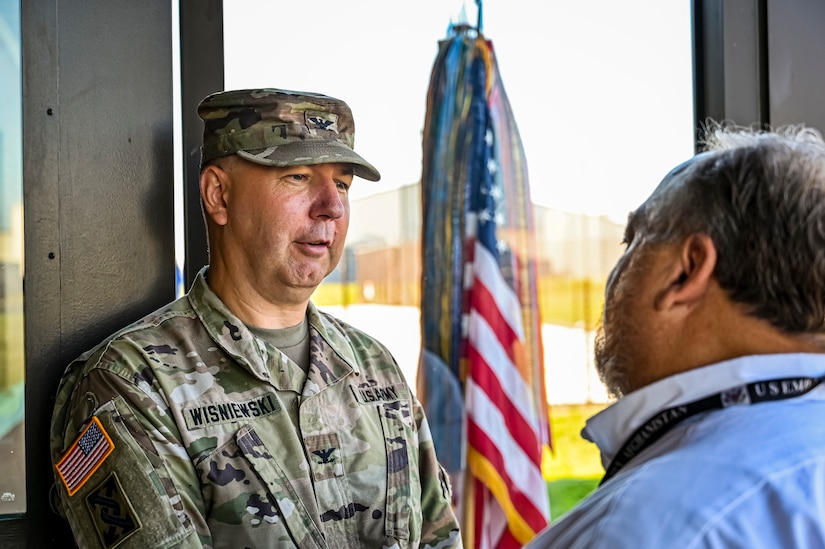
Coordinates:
(481, 374)
(504, 431)
(83, 458)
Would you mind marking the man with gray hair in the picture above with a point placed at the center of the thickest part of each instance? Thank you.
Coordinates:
(713, 337)
(241, 415)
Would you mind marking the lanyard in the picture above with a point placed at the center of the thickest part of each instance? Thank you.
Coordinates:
(752, 393)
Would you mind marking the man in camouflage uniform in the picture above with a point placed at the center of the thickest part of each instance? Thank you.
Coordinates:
(240, 415)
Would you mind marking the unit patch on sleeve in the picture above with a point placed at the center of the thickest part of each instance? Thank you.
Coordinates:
(83, 457)
(112, 512)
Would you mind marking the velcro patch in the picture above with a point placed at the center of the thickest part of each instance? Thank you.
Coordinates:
(84, 457)
(318, 120)
(112, 512)
(324, 456)
(214, 413)
(370, 394)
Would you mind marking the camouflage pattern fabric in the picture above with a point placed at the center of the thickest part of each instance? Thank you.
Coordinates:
(205, 454)
(275, 127)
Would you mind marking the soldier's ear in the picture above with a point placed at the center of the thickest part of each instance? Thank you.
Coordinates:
(214, 186)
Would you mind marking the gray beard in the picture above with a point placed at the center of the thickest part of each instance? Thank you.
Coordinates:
(612, 365)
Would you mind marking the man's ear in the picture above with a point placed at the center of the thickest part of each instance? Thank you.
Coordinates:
(214, 184)
(691, 273)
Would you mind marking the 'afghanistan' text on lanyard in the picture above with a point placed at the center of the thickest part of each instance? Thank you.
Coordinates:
(752, 393)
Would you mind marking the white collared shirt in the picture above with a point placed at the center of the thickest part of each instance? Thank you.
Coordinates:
(744, 476)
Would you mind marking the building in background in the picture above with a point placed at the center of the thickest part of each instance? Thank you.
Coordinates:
(384, 253)
(382, 267)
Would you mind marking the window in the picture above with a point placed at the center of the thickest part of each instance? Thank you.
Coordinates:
(12, 441)
(602, 95)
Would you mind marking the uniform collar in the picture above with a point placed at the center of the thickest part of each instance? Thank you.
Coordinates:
(612, 426)
(331, 353)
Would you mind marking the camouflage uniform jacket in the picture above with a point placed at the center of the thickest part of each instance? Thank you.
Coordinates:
(198, 449)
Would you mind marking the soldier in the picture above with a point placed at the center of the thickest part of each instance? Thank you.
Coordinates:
(240, 415)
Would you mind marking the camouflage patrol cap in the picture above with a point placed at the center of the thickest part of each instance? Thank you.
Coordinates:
(280, 128)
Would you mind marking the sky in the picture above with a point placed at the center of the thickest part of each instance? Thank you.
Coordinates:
(601, 90)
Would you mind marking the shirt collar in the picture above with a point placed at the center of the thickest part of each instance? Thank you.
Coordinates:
(612, 426)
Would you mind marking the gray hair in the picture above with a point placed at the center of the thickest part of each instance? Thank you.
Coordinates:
(760, 196)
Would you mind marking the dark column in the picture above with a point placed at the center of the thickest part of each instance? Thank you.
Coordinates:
(201, 45)
(730, 61)
(98, 199)
(795, 41)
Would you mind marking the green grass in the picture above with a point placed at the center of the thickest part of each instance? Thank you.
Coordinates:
(574, 468)
(564, 494)
(572, 456)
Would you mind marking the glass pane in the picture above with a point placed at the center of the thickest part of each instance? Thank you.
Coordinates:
(12, 456)
(604, 106)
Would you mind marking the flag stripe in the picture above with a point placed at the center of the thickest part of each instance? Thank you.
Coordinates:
(485, 304)
(84, 457)
(85, 463)
(76, 458)
(494, 358)
(500, 420)
(513, 424)
(507, 541)
(493, 520)
(488, 272)
(488, 464)
(519, 467)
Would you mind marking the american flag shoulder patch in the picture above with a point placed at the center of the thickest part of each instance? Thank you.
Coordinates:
(84, 457)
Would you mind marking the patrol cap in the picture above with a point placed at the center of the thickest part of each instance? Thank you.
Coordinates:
(274, 127)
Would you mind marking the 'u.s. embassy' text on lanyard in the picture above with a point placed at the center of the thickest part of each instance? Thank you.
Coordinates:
(752, 393)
